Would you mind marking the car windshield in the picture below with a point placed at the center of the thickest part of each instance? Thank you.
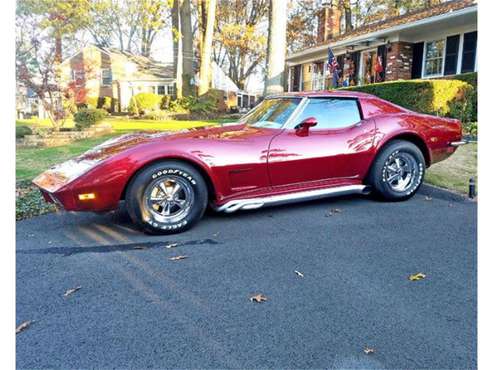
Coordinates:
(271, 113)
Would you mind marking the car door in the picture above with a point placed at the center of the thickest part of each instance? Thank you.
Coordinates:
(337, 149)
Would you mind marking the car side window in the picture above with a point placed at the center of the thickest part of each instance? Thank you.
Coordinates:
(332, 112)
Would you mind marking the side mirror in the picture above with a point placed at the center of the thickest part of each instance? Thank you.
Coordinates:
(303, 127)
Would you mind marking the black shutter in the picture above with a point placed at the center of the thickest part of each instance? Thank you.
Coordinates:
(451, 55)
(382, 53)
(469, 52)
(355, 57)
(417, 60)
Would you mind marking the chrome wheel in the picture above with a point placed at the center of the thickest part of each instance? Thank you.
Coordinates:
(169, 199)
(400, 171)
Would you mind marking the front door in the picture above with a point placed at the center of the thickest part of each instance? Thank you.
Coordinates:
(336, 150)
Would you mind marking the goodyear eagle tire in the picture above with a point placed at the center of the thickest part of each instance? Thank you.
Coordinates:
(398, 171)
(167, 197)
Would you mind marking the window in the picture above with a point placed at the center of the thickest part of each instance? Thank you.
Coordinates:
(469, 52)
(434, 51)
(332, 112)
(171, 90)
(106, 77)
(78, 77)
(161, 90)
(271, 113)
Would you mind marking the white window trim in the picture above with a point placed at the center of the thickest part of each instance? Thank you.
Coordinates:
(443, 58)
(461, 49)
(361, 68)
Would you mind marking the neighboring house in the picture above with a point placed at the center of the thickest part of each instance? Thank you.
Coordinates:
(98, 72)
(429, 43)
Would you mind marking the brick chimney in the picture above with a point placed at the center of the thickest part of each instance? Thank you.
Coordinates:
(329, 22)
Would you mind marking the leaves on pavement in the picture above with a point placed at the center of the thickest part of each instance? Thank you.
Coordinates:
(72, 291)
(416, 277)
(428, 198)
(172, 245)
(177, 258)
(300, 274)
(140, 247)
(23, 326)
(258, 298)
(368, 350)
(333, 211)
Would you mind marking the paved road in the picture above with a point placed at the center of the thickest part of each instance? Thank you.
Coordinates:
(138, 309)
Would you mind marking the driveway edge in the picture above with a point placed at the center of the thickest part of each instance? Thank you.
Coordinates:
(441, 193)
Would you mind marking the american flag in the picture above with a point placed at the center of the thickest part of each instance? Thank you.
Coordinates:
(333, 68)
(332, 61)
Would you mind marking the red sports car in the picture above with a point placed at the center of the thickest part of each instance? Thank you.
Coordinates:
(290, 147)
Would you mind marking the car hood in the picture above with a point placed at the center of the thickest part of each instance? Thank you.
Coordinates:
(60, 175)
(224, 132)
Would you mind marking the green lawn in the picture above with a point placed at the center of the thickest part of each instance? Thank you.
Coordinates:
(125, 124)
(454, 173)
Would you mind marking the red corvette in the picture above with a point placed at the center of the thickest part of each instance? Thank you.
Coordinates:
(290, 147)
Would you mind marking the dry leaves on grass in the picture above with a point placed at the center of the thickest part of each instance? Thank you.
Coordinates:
(258, 298)
(300, 274)
(72, 291)
(23, 326)
(333, 211)
(368, 350)
(177, 258)
(172, 245)
(416, 277)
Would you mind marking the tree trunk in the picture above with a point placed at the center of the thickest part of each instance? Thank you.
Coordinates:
(58, 49)
(209, 6)
(187, 47)
(348, 16)
(177, 48)
(276, 49)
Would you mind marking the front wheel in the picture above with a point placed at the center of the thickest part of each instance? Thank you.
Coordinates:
(398, 171)
(167, 197)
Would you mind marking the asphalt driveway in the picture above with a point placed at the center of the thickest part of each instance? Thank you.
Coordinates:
(138, 309)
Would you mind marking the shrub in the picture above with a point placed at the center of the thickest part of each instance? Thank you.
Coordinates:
(88, 117)
(144, 102)
(92, 102)
(21, 131)
(203, 106)
(449, 98)
(156, 115)
(165, 101)
(470, 114)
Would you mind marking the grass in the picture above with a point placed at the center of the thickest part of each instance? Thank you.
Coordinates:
(121, 124)
(454, 173)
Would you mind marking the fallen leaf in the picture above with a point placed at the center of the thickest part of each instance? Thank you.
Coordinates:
(418, 276)
(300, 274)
(428, 198)
(177, 258)
(450, 205)
(216, 234)
(23, 326)
(368, 350)
(72, 291)
(140, 247)
(172, 245)
(333, 211)
(258, 298)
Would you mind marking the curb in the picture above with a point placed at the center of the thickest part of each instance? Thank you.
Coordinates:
(437, 192)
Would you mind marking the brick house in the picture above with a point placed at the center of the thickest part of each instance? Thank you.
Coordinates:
(428, 43)
(97, 72)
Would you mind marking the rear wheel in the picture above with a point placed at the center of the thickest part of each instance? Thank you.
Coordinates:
(398, 171)
(167, 197)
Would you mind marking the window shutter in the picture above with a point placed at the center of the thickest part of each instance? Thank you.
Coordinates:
(469, 52)
(417, 60)
(451, 55)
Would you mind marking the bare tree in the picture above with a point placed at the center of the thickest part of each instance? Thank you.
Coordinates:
(276, 51)
(207, 12)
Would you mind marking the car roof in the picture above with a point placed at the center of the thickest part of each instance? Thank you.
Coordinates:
(326, 93)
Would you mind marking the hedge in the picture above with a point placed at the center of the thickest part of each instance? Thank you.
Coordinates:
(144, 102)
(21, 131)
(444, 97)
(86, 117)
